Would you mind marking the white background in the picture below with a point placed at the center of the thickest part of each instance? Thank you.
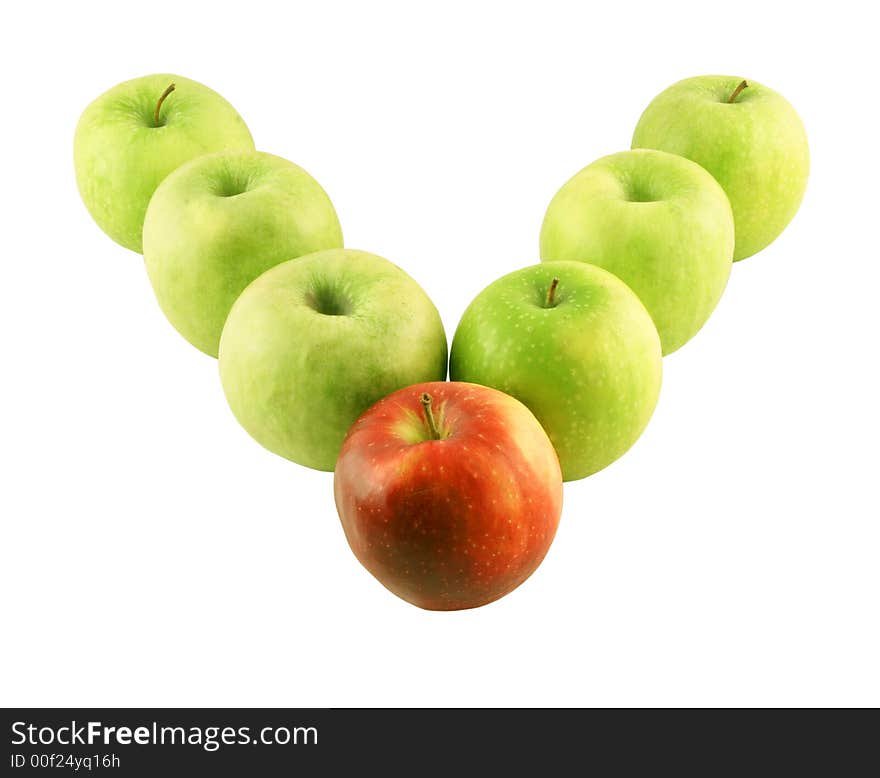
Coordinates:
(154, 555)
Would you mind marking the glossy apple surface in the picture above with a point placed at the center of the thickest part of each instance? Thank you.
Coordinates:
(585, 360)
(660, 223)
(122, 151)
(451, 514)
(217, 223)
(314, 342)
(750, 139)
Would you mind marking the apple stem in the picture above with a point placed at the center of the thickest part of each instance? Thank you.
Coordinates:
(429, 415)
(551, 293)
(742, 85)
(168, 90)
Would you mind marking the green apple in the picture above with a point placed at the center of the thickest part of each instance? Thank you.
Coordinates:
(747, 136)
(576, 346)
(657, 221)
(221, 220)
(135, 134)
(312, 343)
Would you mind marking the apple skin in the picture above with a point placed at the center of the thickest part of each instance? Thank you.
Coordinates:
(217, 223)
(756, 147)
(455, 522)
(657, 221)
(312, 343)
(589, 366)
(120, 156)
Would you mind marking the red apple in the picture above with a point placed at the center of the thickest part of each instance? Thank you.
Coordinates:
(449, 493)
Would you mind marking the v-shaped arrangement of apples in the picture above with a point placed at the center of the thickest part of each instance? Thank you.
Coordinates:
(449, 492)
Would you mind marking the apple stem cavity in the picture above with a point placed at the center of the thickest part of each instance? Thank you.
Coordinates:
(551, 294)
(168, 90)
(739, 87)
(429, 416)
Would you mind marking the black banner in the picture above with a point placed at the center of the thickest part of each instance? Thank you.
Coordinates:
(169, 742)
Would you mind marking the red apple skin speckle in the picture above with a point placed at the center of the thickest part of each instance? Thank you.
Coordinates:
(452, 523)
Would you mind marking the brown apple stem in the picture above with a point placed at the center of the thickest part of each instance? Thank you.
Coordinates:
(551, 293)
(742, 85)
(168, 90)
(429, 415)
